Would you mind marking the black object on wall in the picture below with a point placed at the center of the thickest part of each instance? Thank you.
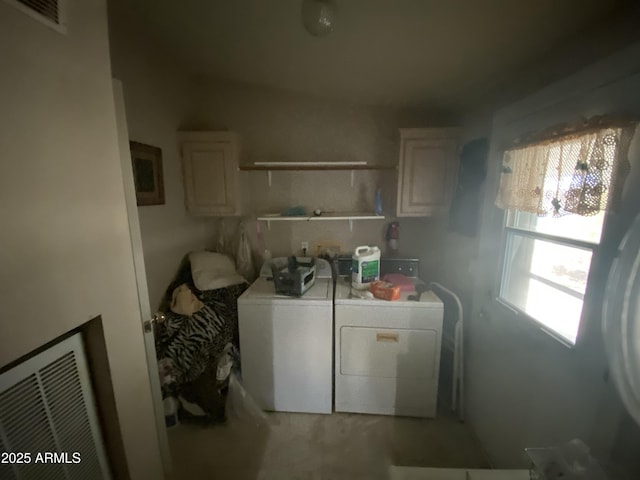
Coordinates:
(465, 207)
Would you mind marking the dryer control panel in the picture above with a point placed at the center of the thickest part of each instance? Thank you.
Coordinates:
(409, 267)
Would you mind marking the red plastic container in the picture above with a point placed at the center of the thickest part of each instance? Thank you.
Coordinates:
(385, 290)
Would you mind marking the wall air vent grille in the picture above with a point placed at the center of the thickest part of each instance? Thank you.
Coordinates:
(49, 12)
(47, 412)
(47, 8)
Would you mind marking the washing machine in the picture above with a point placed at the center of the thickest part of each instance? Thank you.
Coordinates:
(387, 353)
(286, 344)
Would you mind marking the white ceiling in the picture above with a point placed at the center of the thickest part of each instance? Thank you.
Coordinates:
(440, 54)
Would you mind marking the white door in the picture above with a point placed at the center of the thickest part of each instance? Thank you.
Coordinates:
(141, 277)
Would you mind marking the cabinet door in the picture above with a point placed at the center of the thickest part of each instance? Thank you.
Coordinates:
(210, 173)
(428, 168)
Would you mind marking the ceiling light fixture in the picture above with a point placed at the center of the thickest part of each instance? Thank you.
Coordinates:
(318, 16)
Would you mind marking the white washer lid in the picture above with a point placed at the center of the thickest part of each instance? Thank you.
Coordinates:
(263, 291)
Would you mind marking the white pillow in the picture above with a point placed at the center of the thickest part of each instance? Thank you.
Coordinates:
(212, 270)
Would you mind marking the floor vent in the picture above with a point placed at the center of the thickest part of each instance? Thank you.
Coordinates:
(48, 422)
(49, 12)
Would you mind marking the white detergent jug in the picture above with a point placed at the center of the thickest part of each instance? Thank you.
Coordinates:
(365, 267)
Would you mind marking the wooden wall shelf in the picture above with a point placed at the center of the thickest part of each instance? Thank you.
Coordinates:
(350, 217)
(299, 167)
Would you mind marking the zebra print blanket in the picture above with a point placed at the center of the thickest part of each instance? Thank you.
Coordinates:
(189, 348)
(190, 342)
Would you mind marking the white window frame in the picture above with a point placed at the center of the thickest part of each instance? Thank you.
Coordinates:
(502, 277)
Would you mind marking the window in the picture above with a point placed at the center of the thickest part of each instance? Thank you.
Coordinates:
(555, 195)
(546, 265)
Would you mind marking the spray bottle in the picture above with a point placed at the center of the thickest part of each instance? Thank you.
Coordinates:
(378, 201)
(393, 231)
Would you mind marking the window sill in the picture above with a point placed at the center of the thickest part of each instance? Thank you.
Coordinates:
(532, 325)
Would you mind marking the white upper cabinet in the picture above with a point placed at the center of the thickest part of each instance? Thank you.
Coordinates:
(427, 173)
(210, 171)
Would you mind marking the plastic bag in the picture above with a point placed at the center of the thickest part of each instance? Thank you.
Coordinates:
(244, 261)
(225, 363)
(241, 407)
(571, 461)
(221, 244)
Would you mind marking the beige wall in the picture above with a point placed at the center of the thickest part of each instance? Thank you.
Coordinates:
(524, 387)
(281, 126)
(158, 96)
(66, 253)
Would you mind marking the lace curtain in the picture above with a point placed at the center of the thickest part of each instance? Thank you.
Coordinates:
(582, 174)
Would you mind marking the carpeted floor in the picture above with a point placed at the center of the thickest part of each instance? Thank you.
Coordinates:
(320, 447)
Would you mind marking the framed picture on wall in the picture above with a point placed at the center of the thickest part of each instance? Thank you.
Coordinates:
(147, 173)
